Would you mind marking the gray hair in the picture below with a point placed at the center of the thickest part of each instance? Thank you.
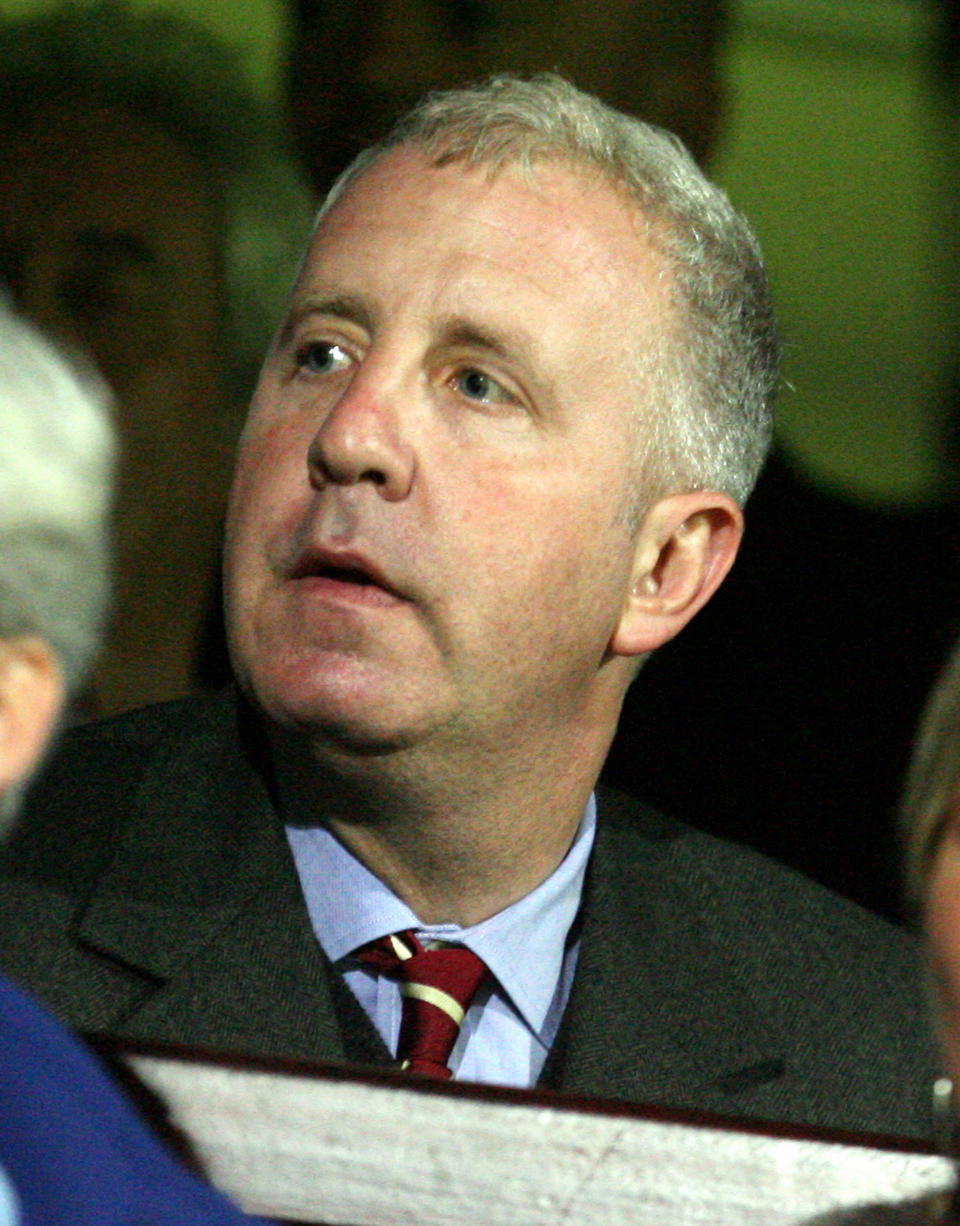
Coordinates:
(56, 465)
(176, 75)
(713, 380)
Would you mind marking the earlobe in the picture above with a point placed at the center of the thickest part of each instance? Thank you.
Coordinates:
(685, 547)
(31, 696)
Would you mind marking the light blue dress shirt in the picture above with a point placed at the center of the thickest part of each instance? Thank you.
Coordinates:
(513, 1021)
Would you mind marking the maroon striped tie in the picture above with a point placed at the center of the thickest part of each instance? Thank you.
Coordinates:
(437, 981)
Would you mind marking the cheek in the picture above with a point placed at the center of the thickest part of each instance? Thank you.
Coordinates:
(547, 564)
(262, 476)
(270, 463)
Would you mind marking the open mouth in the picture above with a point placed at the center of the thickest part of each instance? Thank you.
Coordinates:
(345, 575)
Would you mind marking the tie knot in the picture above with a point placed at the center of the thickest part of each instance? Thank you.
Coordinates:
(437, 981)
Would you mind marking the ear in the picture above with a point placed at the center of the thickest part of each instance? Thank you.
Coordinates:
(31, 696)
(685, 546)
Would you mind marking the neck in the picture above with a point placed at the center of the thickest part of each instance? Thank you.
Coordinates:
(454, 852)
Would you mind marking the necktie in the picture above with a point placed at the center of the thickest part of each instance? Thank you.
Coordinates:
(437, 981)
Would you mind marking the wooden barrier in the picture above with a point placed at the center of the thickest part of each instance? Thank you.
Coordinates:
(330, 1146)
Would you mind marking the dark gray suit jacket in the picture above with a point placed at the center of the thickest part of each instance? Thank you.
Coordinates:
(149, 893)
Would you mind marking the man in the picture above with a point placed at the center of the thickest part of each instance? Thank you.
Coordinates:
(150, 214)
(72, 1153)
(497, 455)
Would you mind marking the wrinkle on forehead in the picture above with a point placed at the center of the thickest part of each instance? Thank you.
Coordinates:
(618, 233)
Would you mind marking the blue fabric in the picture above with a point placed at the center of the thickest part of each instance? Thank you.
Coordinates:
(9, 1203)
(72, 1151)
(509, 1029)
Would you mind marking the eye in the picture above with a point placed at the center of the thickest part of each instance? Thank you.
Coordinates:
(476, 385)
(322, 358)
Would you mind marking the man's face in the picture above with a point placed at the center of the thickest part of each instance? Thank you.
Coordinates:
(356, 65)
(430, 531)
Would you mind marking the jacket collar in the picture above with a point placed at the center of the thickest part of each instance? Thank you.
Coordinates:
(202, 900)
(201, 842)
(644, 928)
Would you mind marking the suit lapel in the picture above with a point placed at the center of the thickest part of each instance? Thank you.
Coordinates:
(202, 901)
(258, 984)
(646, 959)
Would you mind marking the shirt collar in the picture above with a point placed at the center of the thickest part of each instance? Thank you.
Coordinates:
(523, 945)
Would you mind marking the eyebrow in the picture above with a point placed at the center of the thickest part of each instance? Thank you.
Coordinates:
(516, 347)
(340, 306)
(511, 346)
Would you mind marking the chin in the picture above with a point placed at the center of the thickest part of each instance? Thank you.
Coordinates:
(346, 709)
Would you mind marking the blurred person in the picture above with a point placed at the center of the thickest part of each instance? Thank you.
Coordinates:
(930, 822)
(72, 1152)
(930, 833)
(151, 215)
(354, 66)
(497, 455)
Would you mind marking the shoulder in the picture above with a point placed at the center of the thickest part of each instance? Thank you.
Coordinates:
(841, 987)
(87, 786)
(71, 1146)
(45, 1073)
(747, 896)
(145, 728)
(127, 740)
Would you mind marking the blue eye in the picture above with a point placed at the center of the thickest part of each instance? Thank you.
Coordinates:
(476, 385)
(322, 357)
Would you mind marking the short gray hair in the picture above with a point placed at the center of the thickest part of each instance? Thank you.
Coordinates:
(56, 465)
(179, 77)
(714, 378)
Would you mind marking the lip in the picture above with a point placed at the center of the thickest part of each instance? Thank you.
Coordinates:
(344, 575)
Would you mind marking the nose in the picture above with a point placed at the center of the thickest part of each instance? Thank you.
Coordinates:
(362, 439)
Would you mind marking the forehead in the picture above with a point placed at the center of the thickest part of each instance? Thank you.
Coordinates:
(561, 247)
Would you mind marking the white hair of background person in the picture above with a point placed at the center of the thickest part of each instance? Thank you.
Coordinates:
(705, 417)
(57, 455)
